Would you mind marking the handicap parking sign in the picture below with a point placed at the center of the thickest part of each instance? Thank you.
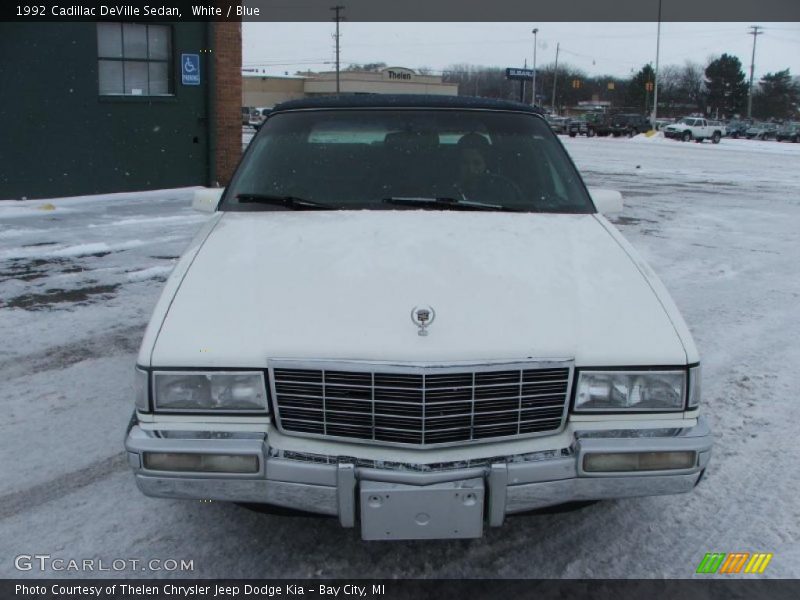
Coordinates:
(190, 69)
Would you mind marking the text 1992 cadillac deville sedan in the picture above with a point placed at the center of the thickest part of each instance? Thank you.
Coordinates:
(408, 312)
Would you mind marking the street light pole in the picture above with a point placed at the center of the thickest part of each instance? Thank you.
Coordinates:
(655, 83)
(555, 76)
(533, 95)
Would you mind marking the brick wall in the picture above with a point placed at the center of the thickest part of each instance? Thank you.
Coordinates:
(227, 98)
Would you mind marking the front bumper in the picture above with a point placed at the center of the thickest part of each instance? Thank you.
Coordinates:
(336, 486)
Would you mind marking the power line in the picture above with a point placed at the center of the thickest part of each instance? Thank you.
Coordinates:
(784, 39)
(595, 57)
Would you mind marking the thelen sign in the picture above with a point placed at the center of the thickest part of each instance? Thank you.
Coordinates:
(398, 74)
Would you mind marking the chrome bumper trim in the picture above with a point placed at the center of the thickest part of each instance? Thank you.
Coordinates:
(300, 496)
(513, 484)
(521, 498)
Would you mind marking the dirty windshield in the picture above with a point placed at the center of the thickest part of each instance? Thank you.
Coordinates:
(394, 159)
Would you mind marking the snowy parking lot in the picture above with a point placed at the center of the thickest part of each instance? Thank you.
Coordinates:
(79, 277)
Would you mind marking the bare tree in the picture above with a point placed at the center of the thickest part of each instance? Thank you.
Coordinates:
(692, 85)
(474, 80)
(376, 66)
(669, 82)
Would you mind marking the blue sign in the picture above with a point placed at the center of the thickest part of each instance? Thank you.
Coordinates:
(519, 74)
(190, 69)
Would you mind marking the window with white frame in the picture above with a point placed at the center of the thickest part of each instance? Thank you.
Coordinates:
(134, 59)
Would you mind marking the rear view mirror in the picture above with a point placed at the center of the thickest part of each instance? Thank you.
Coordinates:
(606, 201)
(206, 199)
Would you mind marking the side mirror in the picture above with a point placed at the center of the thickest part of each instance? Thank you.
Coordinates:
(206, 200)
(606, 201)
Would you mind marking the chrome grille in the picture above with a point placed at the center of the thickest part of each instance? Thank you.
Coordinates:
(419, 404)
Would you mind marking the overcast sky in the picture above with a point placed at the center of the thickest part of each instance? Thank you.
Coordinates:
(617, 49)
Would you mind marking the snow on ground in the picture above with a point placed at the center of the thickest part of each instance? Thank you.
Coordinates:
(79, 277)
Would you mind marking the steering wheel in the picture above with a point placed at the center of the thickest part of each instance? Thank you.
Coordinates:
(499, 190)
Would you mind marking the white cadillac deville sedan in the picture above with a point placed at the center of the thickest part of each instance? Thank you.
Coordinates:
(407, 312)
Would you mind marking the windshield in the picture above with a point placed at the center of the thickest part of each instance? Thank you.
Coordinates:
(414, 158)
(687, 121)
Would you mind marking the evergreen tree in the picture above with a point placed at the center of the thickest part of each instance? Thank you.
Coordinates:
(777, 97)
(640, 90)
(726, 88)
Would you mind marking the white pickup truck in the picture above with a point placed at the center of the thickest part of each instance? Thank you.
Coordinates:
(695, 128)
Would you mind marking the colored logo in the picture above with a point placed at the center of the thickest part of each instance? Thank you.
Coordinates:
(735, 562)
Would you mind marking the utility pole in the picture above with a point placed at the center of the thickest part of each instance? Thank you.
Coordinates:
(533, 95)
(655, 83)
(338, 8)
(755, 32)
(555, 75)
(522, 87)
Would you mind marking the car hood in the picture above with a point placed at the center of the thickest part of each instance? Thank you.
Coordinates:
(342, 285)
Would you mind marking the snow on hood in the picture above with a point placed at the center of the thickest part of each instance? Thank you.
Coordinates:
(343, 284)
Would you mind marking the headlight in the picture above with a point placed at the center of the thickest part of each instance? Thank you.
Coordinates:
(635, 391)
(223, 391)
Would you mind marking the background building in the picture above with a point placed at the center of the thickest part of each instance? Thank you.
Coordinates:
(91, 108)
(267, 91)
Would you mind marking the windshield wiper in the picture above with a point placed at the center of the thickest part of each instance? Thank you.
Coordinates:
(291, 202)
(446, 203)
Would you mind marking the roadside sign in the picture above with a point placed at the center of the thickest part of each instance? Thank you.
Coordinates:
(190, 69)
(520, 74)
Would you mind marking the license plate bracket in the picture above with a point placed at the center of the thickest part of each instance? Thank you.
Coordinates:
(395, 511)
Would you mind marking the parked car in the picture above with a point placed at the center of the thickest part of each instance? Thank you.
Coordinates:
(629, 124)
(738, 127)
(258, 115)
(718, 126)
(661, 123)
(578, 126)
(558, 124)
(245, 115)
(788, 131)
(409, 313)
(761, 131)
(695, 128)
(584, 125)
(600, 123)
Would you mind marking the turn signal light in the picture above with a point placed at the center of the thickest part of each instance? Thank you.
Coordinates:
(614, 462)
(202, 463)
